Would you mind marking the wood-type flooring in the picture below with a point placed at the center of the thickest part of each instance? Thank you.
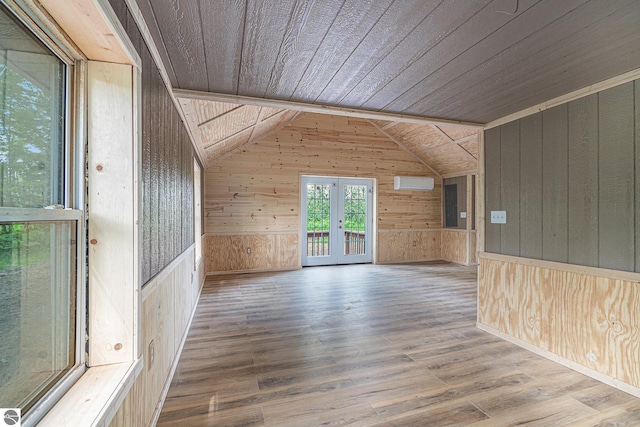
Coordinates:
(369, 345)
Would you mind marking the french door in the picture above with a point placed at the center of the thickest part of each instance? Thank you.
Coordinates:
(336, 220)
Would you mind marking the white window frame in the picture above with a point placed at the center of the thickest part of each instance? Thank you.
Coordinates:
(113, 358)
(73, 194)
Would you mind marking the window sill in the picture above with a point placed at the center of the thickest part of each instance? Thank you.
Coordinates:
(95, 398)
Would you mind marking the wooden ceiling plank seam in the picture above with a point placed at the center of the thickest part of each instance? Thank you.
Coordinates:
(401, 145)
(265, 26)
(513, 61)
(270, 112)
(299, 14)
(322, 109)
(321, 40)
(444, 134)
(258, 120)
(352, 53)
(140, 21)
(213, 162)
(457, 133)
(208, 146)
(374, 50)
(286, 71)
(354, 19)
(244, 119)
(180, 19)
(219, 116)
(421, 74)
(464, 150)
(546, 79)
(471, 146)
(441, 23)
(464, 139)
(207, 109)
(563, 99)
(223, 54)
(138, 8)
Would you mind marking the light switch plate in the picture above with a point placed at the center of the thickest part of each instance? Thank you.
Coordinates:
(498, 217)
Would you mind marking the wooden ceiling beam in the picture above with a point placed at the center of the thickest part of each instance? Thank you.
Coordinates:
(321, 109)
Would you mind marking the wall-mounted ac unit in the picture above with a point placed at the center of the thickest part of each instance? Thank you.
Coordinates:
(413, 183)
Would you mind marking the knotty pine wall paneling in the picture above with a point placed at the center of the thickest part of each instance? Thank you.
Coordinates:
(253, 195)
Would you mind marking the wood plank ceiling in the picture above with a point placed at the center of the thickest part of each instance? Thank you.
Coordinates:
(473, 60)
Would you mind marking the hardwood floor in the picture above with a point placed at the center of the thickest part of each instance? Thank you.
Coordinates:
(369, 345)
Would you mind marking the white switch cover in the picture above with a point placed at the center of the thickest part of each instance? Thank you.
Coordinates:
(463, 214)
(498, 217)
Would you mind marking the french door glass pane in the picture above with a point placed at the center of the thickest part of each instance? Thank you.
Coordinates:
(318, 218)
(355, 215)
(37, 307)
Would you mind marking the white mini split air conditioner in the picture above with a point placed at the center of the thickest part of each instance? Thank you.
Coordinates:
(413, 183)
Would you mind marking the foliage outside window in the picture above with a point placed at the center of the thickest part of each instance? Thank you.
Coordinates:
(38, 247)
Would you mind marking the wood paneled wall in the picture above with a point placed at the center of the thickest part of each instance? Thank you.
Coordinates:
(168, 302)
(408, 245)
(454, 246)
(171, 279)
(254, 194)
(167, 164)
(568, 178)
(584, 315)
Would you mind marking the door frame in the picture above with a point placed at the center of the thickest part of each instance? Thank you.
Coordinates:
(371, 223)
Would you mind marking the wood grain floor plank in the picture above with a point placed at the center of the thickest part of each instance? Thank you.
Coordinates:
(368, 345)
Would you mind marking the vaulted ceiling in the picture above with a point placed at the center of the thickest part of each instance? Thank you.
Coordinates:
(455, 60)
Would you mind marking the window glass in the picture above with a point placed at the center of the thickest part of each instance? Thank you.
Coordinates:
(32, 120)
(37, 308)
(38, 253)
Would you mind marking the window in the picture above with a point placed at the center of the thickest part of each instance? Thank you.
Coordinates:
(40, 233)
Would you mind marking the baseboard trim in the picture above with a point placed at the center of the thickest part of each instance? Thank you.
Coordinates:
(606, 379)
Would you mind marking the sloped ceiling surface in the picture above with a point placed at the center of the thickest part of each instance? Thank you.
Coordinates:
(469, 60)
(221, 129)
(447, 150)
(459, 60)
